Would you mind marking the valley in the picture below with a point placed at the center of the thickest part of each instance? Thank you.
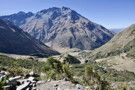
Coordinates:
(59, 49)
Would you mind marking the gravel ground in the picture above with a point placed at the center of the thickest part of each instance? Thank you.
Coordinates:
(57, 85)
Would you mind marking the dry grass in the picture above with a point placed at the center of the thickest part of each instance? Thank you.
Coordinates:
(119, 63)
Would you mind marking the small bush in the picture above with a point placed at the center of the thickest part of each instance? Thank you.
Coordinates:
(67, 71)
(54, 64)
(2, 82)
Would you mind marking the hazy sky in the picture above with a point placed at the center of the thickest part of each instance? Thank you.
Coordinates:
(109, 13)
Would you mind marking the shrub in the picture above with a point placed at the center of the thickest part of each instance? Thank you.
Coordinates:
(67, 71)
(88, 71)
(1, 68)
(51, 74)
(15, 70)
(2, 82)
(54, 64)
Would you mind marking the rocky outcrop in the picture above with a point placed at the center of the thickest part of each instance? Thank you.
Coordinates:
(18, 82)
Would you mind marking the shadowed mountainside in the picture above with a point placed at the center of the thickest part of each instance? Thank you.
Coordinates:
(14, 40)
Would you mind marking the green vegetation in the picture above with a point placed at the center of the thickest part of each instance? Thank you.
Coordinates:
(70, 59)
(15, 70)
(131, 53)
(2, 83)
(92, 73)
(16, 67)
(67, 71)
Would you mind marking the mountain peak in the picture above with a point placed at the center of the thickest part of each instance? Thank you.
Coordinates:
(65, 8)
(63, 27)
(21, 12)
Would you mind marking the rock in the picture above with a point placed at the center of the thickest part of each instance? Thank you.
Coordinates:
(24, 86)
(55, 85)
(7, 87)
(18, 83)
(87, 88)
(32, 73)
(34, 89)
(79, 86)
(15, 78)
(48, 80)
(65, 79)
(34, 85)
(26, 75)
(12, 81)
(59, 89)
(32, 79)
(7, 81)
(39, 82)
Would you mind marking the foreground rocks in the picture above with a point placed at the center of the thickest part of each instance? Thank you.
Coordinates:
(27, 82)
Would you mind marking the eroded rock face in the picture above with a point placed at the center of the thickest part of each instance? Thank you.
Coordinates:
(63, 27)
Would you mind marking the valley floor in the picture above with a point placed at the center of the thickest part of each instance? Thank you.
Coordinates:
(119, 63)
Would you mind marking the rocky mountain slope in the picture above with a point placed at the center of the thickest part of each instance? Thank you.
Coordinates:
(14, 40)
(18, 18)
(123, 42)
(63, 27)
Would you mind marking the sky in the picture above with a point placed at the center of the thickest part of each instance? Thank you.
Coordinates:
(109, 13)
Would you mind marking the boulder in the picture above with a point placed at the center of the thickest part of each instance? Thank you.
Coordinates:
(24, 86)
(15, 78)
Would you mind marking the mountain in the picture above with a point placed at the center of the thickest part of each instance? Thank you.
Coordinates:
(14, 40)
(116, 30)
(123, 42)
(18, 18)
(63, 27)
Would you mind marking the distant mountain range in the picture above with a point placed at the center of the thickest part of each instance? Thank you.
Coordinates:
(116, 30)
(14, 40)
(62, 27)
(123, 42)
